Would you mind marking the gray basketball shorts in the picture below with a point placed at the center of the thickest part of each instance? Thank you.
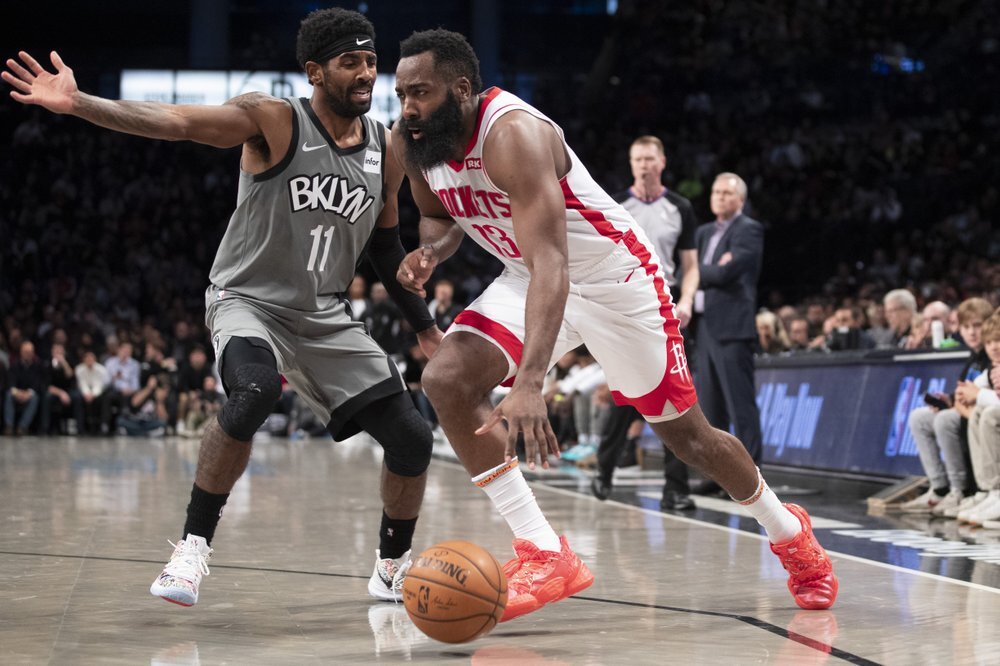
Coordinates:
(328, 358)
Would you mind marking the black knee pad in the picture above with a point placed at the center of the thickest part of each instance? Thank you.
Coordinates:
(254, 389)
(402, 432)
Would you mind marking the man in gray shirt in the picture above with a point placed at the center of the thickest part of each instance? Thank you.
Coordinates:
(669, 221)
(316, 191)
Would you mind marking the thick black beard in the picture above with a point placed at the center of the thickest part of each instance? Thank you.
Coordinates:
(441, 130)
(343, 106)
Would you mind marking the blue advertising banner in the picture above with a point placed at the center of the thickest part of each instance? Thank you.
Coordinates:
(850, 417)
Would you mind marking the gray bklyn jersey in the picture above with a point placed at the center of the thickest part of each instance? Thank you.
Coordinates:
(300, 228)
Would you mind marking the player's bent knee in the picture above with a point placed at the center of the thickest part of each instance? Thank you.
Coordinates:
(405, 437)
(252, 397)
(450, 384)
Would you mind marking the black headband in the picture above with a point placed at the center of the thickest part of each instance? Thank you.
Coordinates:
(351, 43)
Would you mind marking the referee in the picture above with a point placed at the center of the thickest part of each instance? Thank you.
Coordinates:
(669, 222)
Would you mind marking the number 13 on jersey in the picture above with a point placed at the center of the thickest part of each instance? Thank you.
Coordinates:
(498, 238)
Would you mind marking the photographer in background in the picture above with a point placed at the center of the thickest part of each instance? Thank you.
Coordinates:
(147, 413)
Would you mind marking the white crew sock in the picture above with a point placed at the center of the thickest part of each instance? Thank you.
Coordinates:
(780, 524)
(506, 487)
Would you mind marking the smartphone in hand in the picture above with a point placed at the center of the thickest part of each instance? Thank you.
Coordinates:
(936, 400)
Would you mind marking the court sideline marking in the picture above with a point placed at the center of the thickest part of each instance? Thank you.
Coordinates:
(819, 646)
(694, 521)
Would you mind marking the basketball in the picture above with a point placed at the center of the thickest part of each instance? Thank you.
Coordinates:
(455, 592)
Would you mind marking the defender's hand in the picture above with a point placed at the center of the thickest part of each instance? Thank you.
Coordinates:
(34, 85)
(525, 413)
(416, 269)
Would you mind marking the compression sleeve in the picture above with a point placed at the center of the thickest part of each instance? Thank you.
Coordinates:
(386, 253)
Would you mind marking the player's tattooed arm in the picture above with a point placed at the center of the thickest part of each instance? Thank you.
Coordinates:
(221, 126)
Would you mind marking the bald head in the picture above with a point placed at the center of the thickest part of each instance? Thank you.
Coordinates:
(936, 311)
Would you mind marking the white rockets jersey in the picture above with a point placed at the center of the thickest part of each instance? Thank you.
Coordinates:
(595, 223)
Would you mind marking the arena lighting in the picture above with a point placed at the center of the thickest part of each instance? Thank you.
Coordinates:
(176, 86)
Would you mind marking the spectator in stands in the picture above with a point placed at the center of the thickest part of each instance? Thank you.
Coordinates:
(577, 392)
(878, 328)
(443, 308)
(771, 334)
(124, 373)
(184, 340)
(900, 310)
(61, 395)
(384, 320)
(798, 334)
(356, 294)
(92, 379)
(975, 395)
(4, 354)
(786, 313)
(847, 333)
(202, 406)
(146, 415)
(921, 328)
(190, 381)
(816, 316)
(952, 326)
(26, 387)
(938, 427)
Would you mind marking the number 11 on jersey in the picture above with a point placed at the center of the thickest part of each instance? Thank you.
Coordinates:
(316, 233)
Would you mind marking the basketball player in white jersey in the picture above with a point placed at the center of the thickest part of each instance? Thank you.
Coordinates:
(578, 269)
(277, 299)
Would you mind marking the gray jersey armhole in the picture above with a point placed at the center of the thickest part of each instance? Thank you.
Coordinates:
(289, 154)
(380, 129)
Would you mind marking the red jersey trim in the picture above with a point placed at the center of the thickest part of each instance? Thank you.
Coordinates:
(490, 96)
(680, 394)
(495, 331)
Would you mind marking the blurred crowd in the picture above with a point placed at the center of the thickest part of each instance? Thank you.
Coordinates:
(866, 134)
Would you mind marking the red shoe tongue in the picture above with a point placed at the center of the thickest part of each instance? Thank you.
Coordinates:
(525, 549)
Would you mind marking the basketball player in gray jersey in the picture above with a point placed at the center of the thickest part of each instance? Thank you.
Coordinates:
(316, 191)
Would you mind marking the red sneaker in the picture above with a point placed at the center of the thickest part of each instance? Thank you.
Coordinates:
(810, 573)
(538, 577)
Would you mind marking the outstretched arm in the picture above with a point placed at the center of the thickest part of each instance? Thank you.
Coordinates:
(221, 126)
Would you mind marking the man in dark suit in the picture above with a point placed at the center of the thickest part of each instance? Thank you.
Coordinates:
(730, 252)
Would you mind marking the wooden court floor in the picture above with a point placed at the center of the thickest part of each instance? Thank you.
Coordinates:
(86, 523)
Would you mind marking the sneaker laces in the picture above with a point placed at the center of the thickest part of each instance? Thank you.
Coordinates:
(187, 562)
(393, 574)
(400, 576)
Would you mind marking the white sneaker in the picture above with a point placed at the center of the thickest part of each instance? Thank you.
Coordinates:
(965, 505)
(949, 501)
(922, 504)
(989, 509)
(180, 578)
(963, 515)
(386, 582)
